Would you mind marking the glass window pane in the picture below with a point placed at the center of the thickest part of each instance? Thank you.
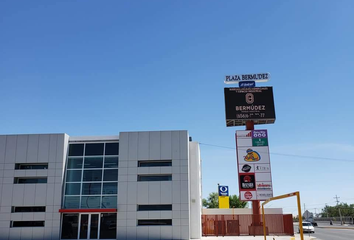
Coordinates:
(144, 178)
(74, 163)
(69, 227)
(166, 163)
(91, 188)
(109, 202)
(111, 162)
(90, 202)
(111, 149)
(94, 149)
(73, 175)
(76, 149)
(84, 226)
(110, 188)
(94, 226)
(108, 226)
(92, 175)
(71, 202)
(94, 162)
(110, 175)
(72, 189)
(155, 207)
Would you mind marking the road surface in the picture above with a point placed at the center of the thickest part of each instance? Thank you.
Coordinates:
(331, 234)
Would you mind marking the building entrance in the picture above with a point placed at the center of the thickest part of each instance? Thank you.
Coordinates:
(89, 226)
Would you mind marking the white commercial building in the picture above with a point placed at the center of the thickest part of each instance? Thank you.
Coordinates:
(136, 185)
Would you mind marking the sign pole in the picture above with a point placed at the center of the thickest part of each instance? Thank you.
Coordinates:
(256, 204)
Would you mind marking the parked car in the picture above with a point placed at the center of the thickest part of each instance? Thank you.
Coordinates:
(307, 227)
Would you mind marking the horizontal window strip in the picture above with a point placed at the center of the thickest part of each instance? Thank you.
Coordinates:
(29, 166)
(15, 224)
(30, 180)
(27, 209)
(154, 178)
(155, 222)
(153, 207)
(157, 163)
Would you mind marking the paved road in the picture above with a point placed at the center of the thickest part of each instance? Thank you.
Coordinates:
(333, 234)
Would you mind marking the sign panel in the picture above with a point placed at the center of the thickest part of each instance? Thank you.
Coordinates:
(224, 202)
(247, 84)
(255, 77)
(255, 180)
(223, 191)
(244, 104)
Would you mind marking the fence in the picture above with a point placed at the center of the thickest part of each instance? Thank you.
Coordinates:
(236, 225)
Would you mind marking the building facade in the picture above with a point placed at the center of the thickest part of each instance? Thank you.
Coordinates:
(136, 185)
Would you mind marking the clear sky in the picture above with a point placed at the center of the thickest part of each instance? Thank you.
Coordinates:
(101, 67)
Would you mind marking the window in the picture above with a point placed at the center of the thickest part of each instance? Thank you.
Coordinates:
(91, 189)
(27, 209)
(26, 166)
(110, 175)
(72, 189)
(91, 175)
(108, 226)
(144, 178)
(163, 163)
(73, 176)
(112, 149)
(162, 207)
(76, 149)
(70, 226)
(93, 162)
(154, 222)
(14, 224)
(94, 149)
(111, 162)
(74, 163)
(29, 180)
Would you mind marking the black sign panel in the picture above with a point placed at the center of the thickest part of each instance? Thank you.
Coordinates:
(244, 104)
(247, 182)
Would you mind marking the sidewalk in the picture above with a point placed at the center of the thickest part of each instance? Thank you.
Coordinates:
(297, 237)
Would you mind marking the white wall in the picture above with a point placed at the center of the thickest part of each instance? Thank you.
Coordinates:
(164, 145)
(34, 148)
(195, 191)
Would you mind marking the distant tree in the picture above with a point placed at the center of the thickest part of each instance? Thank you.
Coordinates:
(333, 211)
(235, 202)
(212, 201)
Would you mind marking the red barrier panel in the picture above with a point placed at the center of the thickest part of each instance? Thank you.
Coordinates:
(236, 225)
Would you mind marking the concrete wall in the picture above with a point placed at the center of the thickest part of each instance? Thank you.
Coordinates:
(195, 191)
(44, 148)
(164, 145)
(239, 211)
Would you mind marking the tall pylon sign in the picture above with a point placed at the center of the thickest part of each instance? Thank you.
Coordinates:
(224, 201)
(248, 105)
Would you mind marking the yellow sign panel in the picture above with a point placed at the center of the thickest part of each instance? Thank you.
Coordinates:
(224, 202)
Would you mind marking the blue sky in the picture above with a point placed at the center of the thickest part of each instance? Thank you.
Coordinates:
(101, 67)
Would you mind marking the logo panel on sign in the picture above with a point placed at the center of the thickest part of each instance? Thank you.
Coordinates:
(253, 155)
(246, 168)
(247, 181)
(223, 191)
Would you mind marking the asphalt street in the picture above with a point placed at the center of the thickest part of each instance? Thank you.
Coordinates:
(333, 234)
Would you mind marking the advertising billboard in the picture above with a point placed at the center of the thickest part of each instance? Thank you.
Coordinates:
(253, 161)
(244, 104)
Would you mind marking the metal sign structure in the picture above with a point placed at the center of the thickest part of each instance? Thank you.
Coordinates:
(249, 104)
(254, 171)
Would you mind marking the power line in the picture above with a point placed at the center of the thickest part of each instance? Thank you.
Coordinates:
(288, 155)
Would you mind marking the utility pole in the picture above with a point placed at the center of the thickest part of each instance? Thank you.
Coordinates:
(340, 214)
